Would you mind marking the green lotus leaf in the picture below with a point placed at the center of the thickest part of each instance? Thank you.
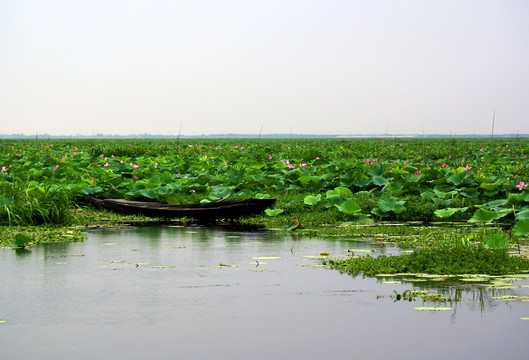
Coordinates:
(274, 212)
(521, 228)
(312, 200)
(380, 180)
(483, 216)
(349, 207)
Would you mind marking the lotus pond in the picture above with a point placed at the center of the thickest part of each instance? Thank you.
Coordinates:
(170, 292)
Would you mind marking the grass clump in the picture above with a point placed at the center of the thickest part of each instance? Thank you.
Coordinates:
(473, 259)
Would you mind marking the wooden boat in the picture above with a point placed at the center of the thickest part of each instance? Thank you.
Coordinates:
(224, 209)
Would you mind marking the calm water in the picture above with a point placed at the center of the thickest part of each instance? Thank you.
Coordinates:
(158, 293)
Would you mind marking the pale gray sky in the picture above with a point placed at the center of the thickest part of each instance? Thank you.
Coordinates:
(302, 66)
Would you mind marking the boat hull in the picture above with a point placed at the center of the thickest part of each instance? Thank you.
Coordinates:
(227, 209)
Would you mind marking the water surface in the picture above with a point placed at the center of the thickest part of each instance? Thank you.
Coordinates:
(160, 293)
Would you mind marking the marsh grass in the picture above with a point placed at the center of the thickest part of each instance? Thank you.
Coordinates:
(473, 259)
(31, 204)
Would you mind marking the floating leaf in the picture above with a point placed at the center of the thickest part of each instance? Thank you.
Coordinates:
(432, 308)
(21, 241)
(267, 258)
(225, 265)
(161, 266)
(360, 250)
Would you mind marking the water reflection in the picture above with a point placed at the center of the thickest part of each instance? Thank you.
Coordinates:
(159, 292)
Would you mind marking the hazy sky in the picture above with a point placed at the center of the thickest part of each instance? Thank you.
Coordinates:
(288, 66)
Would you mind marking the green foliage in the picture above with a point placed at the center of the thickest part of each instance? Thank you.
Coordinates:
(21, 241)
(41, 181)
(521, 228)
(457, 260)
(274, 212)
(312, 200)
(496, 242)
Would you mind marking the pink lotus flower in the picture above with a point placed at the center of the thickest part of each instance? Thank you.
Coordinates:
(107, 164)
(444, 166)
(521, 185)
(270, 157)
(135, 165)
(93, 180)
(418, 172)
(468, 167)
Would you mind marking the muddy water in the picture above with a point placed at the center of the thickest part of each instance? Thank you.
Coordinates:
(161, 293)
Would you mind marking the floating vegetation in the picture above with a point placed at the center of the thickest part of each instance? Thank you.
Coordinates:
(136, 249)
(392, 282)
(432, 308)
(258, 270)
(233, 237)
(267, 258)
(475, 279)
(312, 265)
(225, 265)
(464, 259)
(324, 253)
(161, 266)
(360, 250)
(524, 318)
(61, 263)
(102, 266)
(255, 242)
(315, 257)
(424, 295)
(21, 241)
(115, 261)
(110, 244)
(506, 297)
(79, 255)
(3, 321)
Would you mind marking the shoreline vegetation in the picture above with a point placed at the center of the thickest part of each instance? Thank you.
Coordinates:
(415, 193)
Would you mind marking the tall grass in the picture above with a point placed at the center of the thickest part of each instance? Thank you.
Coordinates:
(30, 204)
